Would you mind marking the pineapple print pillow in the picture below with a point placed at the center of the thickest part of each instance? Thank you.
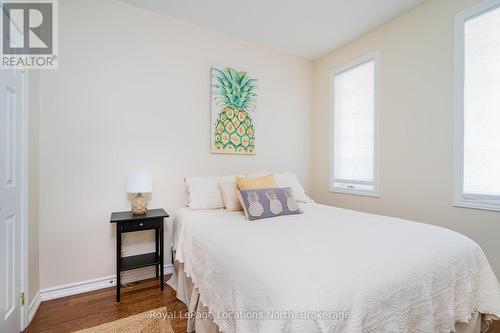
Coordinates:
(268, 202)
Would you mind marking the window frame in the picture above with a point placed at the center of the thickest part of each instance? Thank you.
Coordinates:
(460, 199)
(375, 56)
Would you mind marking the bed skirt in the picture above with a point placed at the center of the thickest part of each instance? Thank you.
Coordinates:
(189, 294)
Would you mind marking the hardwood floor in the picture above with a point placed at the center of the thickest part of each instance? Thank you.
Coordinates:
(495, 328)
(97, 307)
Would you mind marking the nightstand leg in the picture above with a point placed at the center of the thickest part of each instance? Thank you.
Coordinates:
(157, 247)
(162, 250)
(118, 261)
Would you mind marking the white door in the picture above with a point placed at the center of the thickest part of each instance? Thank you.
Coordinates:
(11, 112)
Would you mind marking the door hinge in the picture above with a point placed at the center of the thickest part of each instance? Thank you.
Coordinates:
(21, 299)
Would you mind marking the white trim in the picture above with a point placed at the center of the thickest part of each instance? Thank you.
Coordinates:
(458, 133)
(24, 198)
(77, 288)
(91, 285)
(99, 283)
(374, 194)
(375, 56)
(33, 307)
(476, 205)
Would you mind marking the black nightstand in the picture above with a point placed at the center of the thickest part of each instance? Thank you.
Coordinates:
(128, 222)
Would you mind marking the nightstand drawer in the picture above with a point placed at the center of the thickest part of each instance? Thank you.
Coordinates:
(139, 225)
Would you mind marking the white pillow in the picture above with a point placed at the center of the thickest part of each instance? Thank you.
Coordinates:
(286, 179)
(204, 193)
(289, 179)
(229, 191)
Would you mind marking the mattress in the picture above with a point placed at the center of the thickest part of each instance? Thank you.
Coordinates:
(333, 270)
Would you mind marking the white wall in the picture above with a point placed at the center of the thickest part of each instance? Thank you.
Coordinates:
(416, 124)
(132, 92)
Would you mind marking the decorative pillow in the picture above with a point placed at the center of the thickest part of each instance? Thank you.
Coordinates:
(229, 192)
(256, 182)
(204, 193)
(258, 174)
(268, 202)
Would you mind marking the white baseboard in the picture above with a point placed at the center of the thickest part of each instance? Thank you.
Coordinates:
(95, 284)
(33, 307)
(91, 285)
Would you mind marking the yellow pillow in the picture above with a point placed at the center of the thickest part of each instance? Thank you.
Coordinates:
(256, 183)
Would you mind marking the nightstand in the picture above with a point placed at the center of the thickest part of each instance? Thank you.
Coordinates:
(128, 222)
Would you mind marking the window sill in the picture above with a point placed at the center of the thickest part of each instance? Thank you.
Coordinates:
(477, 205)
(373, 194)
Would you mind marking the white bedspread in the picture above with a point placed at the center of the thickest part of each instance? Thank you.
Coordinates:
(385, 274)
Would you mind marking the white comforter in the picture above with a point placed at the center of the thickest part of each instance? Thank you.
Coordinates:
(385, 274)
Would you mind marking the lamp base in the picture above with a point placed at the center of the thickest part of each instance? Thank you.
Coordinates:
(139, 205)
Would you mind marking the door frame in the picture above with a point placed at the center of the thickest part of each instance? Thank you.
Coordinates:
(24, 150)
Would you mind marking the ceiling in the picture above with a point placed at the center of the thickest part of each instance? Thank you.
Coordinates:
(308, 29)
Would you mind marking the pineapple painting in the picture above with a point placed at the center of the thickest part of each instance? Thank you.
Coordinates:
(233, 110)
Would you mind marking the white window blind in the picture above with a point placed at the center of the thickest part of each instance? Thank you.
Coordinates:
(479, 129)
(354, 103)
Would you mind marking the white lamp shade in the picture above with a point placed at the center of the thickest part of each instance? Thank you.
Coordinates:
(139, 182)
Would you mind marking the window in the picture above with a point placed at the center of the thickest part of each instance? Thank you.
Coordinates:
(354, 90)
(477, 107)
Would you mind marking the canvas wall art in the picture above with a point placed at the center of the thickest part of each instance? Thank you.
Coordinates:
(233, 111)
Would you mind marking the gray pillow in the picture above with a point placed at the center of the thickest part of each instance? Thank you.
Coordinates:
(268, 202)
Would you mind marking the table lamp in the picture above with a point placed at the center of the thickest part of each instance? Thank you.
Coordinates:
(139, 182)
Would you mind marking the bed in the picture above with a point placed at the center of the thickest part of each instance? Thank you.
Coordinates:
(329, 270)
